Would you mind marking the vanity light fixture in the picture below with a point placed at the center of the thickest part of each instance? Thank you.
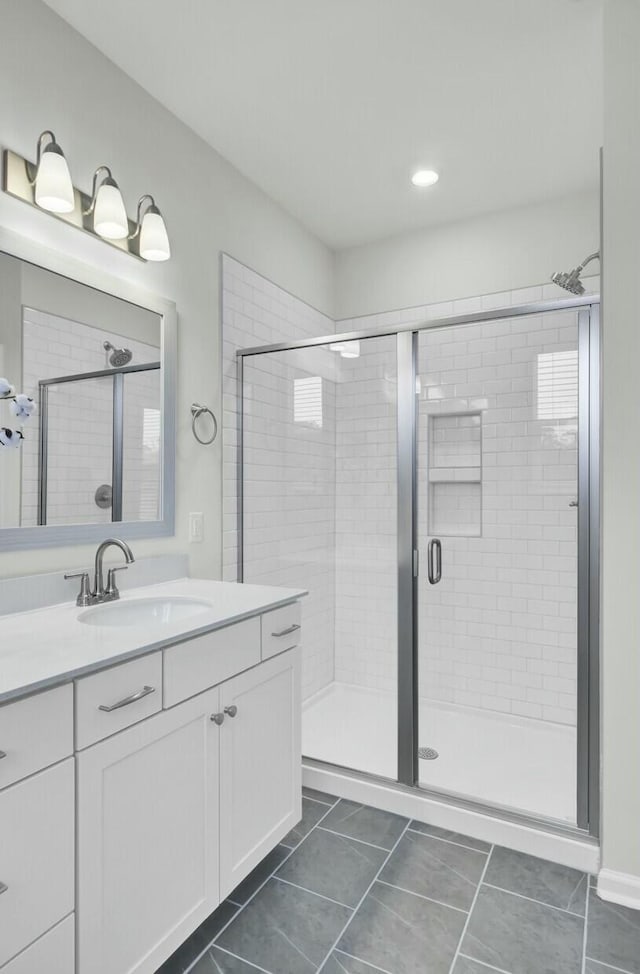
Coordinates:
(107, 206)
(53, 189)
(46, 184)
(425, 177)
(154, 240)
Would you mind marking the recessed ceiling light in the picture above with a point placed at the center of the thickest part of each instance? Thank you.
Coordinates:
(425, 177)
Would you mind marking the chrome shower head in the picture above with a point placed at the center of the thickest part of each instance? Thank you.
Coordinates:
(570, 280)
(119, 356)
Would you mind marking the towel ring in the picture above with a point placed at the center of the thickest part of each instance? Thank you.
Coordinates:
(196, 411)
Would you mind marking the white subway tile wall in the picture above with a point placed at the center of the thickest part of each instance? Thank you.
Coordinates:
(499, 631)
(366, 550)
(80, 424)
(289, 466)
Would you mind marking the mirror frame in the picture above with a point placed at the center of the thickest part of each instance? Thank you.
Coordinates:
(54, 536)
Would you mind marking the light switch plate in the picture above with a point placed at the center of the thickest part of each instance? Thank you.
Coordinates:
(196, 527)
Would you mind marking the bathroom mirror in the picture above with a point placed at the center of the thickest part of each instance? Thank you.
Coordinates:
(97, 368)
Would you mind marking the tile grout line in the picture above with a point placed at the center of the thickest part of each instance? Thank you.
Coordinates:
(482, 963)
(351, 838)
(468, 920)
(530, 899)
(235, 957)
(608, 967)
(319, 801)
(363, 897)
(312, 892)
(378, 970)
(461, 845)
(429, 899)
(584, 932)
(256, 891)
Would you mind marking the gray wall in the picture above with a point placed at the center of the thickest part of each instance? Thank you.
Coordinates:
(621, 467)
(494, 252)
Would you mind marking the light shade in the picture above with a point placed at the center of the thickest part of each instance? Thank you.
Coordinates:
(154, 240)
(53, 186)
(425, 177)
(109, 215)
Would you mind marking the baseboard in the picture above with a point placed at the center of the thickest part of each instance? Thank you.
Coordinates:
(622, 888)
(568, 850)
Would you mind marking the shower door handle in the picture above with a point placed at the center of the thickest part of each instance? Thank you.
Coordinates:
(434, 561)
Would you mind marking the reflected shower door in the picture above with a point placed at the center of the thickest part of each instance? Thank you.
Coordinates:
(497, 488)
(76, 434)
(319, 511)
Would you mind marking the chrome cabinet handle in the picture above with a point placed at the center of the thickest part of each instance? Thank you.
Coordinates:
(286, 632)
(217, 719)
(231, 711)
(127, 700)
(3, 754)
(3, 888)
(434, 561)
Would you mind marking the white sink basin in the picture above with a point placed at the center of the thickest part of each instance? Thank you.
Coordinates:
(141, 612)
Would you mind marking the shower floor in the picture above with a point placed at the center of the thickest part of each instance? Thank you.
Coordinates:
(522, 764)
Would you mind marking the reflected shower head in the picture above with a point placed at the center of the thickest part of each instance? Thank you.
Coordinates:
(119, 356)
(570, 280)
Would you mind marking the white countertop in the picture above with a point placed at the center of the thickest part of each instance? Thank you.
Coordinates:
(46, 647)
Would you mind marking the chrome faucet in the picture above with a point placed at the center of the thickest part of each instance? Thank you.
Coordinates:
(99, 593)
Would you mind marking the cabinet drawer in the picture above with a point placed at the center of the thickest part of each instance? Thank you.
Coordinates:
(281, 629)
(203, 662)
(109, 701)
(53, 953)
(37, 837)
(35, 732)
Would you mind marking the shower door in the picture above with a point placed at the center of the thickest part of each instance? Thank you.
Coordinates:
(319, 503)
(498, 486)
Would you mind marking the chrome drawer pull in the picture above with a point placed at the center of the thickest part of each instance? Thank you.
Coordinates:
(286, 632)
(3, 754)
(127, 700)
(3, 888)
(217, 719)
(231, 711)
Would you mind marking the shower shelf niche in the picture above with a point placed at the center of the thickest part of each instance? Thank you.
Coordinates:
(455, 475)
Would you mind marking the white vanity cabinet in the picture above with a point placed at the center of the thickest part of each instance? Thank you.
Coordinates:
(260, 767)
(186, 772)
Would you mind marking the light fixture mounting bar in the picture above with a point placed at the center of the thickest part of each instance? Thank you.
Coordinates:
(18, 175)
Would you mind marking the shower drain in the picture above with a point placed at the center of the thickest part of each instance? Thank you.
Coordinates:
(427, 753)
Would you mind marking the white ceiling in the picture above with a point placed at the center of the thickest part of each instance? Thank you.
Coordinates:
(329, 105)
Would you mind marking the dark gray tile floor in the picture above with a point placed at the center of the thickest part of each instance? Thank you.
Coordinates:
(353, 890)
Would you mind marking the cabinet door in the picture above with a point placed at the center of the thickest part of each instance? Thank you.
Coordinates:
(148, 838)
(260, 764)
(36, 856)
(53, 953)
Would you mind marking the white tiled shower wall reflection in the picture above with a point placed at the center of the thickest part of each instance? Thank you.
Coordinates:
(80, 424)
(499, 630)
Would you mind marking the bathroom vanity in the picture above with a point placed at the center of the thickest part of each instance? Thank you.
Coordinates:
(149, 759)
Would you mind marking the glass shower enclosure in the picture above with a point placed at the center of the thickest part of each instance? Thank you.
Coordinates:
(435, 488)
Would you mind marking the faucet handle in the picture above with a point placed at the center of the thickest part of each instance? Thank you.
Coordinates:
(111, 591)
(84, 596)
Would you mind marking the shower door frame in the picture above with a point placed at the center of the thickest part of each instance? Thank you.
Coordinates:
(587, 308)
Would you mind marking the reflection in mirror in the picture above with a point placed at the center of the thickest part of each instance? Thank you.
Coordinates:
(92, 448)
